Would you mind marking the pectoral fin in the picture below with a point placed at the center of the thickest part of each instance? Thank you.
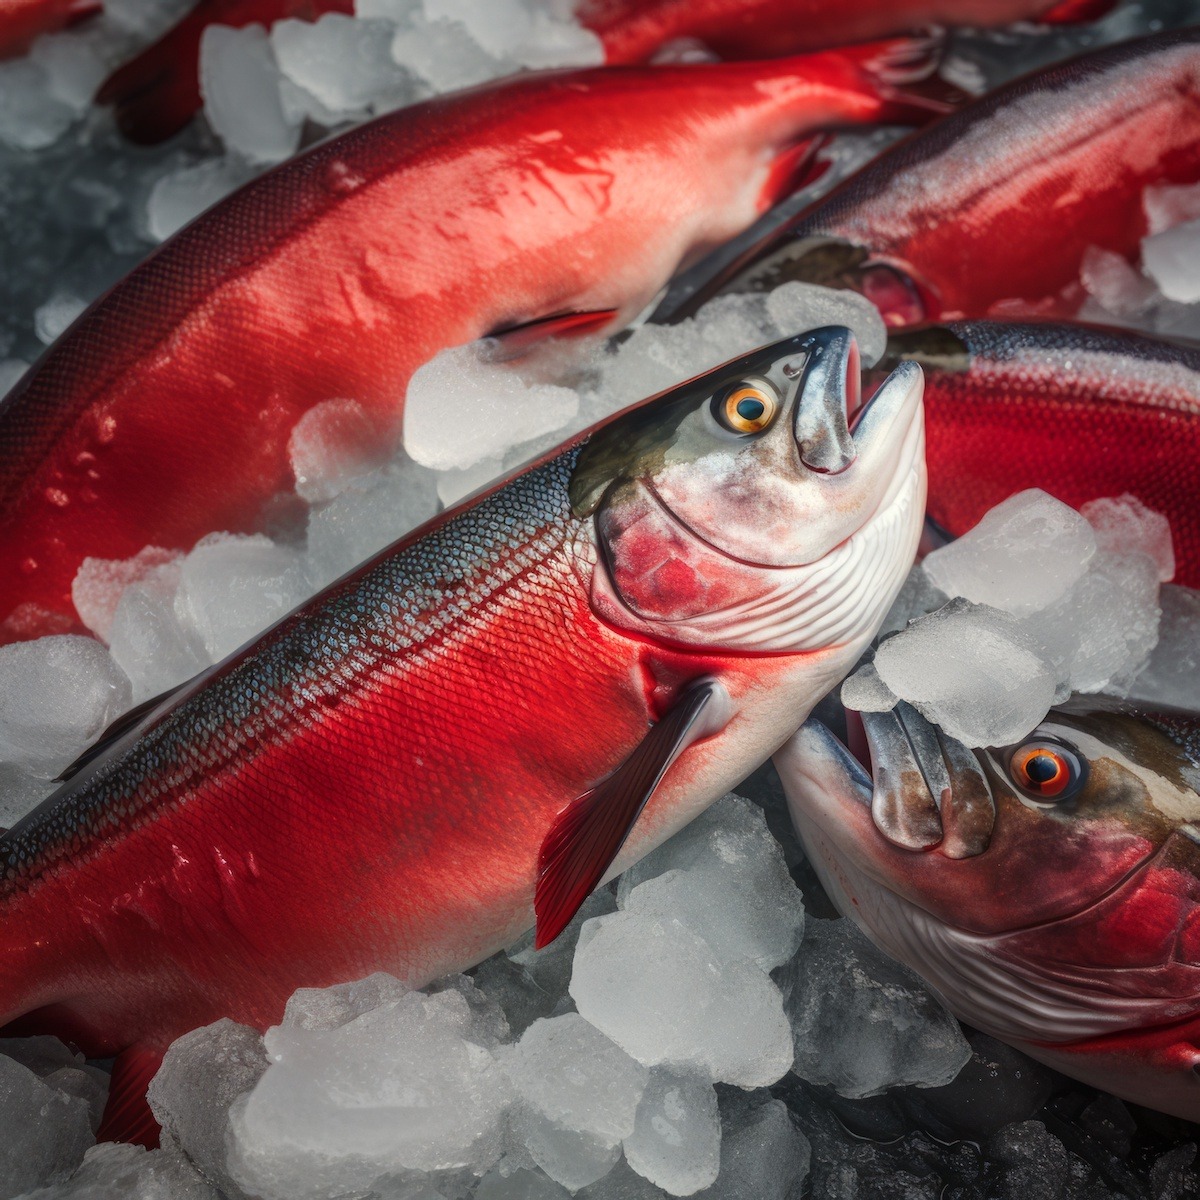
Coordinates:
(588, 833)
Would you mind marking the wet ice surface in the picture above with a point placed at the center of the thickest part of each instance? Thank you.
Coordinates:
(988, 663)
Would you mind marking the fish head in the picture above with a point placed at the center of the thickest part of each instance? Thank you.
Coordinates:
(1048, 890)
(761, 507)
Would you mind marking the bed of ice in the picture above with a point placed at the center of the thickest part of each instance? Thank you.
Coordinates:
(705, 1027)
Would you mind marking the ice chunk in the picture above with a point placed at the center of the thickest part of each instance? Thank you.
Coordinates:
(862, 1022)
(1120, 287)
(527, 34)
(61, 1070)
(974, 670)
(1172, 260)
(231, 587)
(1124, 525)
(401, 1086)
(453, 486)
(180, 196)
(46, 1131)
(574, 1076)
(59, 695)
(723, 877)
(444, 55)
(571, 1157)
(30, 117)
(20, 792)
(991, 564)
(343, 62)
(11, 371)
(521, 1184)
(676, 1139)
(763, 1154)
(239, 81)
(460, 410)
(115, 1171)
(368, 516)
(336, 444)
(202, 1074)
(796, 307)
(56, 315)
(1172, 676)
(1167, 205)
(74, 69)
(658, 991)
(864, 691)
(98, 584)
(148, 642)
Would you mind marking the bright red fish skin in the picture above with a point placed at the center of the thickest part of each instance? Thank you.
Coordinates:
(23, 20)
(369, 784)
(1080, 412)
(1073, 929)
(989, 212)
(164, 412)
(636, 30)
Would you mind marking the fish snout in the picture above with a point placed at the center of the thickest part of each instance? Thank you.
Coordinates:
(828, 393)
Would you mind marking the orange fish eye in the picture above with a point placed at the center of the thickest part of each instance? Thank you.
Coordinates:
(747, 407)
(1045, 770)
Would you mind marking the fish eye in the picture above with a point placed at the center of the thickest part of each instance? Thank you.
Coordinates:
(749, 406)
(1047, 770)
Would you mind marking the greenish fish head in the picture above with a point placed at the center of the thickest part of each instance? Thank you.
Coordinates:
(761, 506)
(1050, 890)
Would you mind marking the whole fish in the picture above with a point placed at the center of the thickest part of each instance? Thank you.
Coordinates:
(1060, 911)
(550, 203)
(636, 30)
(1065, 408)
(465, 732)
(157, 92)
(990, 211)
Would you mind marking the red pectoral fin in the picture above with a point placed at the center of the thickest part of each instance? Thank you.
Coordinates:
(587, 835)
(1069, 12)
(127, 1115)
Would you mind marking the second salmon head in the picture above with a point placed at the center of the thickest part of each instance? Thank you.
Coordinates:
(772, 513)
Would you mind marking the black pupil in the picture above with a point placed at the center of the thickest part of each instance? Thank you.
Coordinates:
(1041, 768)
(750, 409)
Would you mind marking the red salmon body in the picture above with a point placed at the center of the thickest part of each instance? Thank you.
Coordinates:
(990, 211)
(372, 784)
(164, 413)
(1076, 411)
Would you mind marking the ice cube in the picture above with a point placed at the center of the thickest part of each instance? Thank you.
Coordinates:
(343, 62)
(56, 315)
(660, 993)
(62, 1070)
(453, 486)
(233, 586)
(992, 563)
(202, 1074)
(862, 1022)
(11, 372)
(239, 81)
(971, 669)
(1124, 525)
(98, 584)
(1172, 260)
(676, 1139)
(571, 1157)
(367, 516)
(1168, 204)
(1118, 285)
(74, 68)
(797, 307)
(1172, 676)
(335, 444)
(115, 1171)
(521, 1184)
(20, 793)
(30, 117)
(724, 877)
(45, 1131)
(399, 1088)
(763, 1154)
(864, 691)
(444, 55)
(182, 195)
(461, 410)
(59, 695)
(527, 34)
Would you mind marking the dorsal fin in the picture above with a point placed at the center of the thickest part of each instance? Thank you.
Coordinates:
(117, 730)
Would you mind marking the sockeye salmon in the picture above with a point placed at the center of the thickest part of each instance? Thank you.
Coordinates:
(1066, 408)
(464, 732)
(158, 91)
(990, 211)
(164, 412)
(1059, 913)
